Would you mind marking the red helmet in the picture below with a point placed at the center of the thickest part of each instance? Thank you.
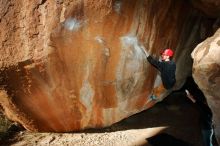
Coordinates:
(168, 52)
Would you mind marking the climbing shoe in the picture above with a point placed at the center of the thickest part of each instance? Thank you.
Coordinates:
(153, 97)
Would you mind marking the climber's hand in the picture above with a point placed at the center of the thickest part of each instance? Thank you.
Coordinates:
(144, 50)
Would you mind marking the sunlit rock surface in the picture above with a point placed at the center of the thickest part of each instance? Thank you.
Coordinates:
(206, 71)
(70, 65)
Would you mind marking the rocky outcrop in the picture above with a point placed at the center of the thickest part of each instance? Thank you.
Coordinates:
(71, 65)
(206, 71)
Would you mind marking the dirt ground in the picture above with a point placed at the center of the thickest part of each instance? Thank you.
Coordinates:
(175, 116)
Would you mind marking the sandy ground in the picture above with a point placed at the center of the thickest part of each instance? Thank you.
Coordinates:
(175, 116)
(119, 138)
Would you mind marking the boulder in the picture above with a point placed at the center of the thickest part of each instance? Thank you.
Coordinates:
(206, 72)
(71, 65)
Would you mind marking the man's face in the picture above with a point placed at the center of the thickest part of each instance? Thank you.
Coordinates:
(164, 57)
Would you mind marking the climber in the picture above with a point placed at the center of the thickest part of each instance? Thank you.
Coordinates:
(197, 97)
(167, 68)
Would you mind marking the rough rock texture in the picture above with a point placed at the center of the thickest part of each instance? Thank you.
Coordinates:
(73, 65)
(4, 125)
(206, 71)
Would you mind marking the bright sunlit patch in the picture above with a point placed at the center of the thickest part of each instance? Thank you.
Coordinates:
(139, 136)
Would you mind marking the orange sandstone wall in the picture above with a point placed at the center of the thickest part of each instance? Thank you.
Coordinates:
(70, 65)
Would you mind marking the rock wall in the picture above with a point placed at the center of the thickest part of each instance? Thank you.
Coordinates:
(206, 71)
(210, 8)
(70, 65)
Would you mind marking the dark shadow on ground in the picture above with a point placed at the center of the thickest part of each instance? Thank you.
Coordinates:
(8, 136)
(164, 139)
(175, 111)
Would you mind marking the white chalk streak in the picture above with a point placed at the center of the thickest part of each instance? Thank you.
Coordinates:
(132, 41)
(117, 6)
(99, 39)
(72, 24)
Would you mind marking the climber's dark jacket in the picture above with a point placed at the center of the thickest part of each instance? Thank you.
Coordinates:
(167, 70)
